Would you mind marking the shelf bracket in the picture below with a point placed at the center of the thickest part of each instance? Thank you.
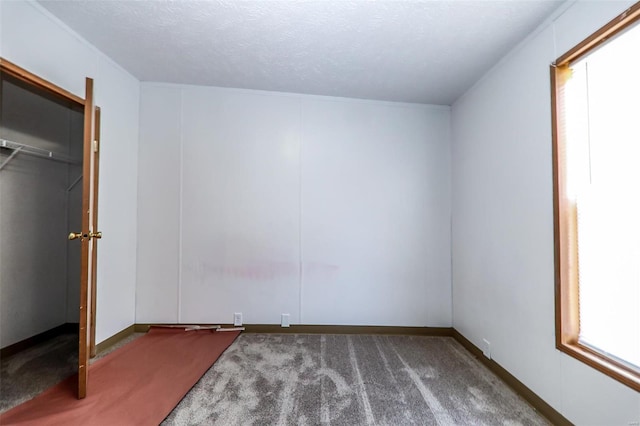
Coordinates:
(13, 154)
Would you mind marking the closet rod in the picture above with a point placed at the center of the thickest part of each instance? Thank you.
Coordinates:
(32, 150)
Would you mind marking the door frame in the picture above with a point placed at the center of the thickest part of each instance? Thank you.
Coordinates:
(36, 81)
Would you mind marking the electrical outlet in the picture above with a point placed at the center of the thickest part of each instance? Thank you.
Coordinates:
(284, 320)
(237, 319)
(486, 348)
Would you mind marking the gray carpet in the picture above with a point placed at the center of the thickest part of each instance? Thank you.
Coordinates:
(270, 379)
(32, 371)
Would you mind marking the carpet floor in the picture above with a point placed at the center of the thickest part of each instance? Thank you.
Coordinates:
(32, 371)
(288, 379)
(270, 379)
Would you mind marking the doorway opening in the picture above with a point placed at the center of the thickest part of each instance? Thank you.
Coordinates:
(48, 189)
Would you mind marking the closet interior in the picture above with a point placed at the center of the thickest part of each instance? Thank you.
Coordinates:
(41, 143)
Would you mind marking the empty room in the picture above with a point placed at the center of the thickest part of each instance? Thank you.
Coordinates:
(320, 212)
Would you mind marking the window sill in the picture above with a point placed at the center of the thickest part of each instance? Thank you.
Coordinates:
(617, 371)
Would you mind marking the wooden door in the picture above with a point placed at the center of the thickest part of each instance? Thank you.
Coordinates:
(89, 235)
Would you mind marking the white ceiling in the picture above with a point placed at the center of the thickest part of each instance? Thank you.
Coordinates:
(411, 51)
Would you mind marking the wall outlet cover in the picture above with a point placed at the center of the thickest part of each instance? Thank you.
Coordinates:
(284, 320)
(486, 348)
(237, 319)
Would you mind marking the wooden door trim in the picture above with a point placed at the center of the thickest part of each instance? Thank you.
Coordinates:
(29, 77)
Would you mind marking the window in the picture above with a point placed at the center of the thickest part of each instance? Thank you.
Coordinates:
(596, 138)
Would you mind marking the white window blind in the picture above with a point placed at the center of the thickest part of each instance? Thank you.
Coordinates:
(603, 166)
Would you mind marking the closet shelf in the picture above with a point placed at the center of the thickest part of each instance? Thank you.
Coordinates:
(17, 148)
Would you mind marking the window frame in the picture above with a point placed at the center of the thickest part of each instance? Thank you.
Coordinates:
(567, 319)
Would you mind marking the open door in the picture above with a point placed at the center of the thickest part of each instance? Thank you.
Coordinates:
(87, 236)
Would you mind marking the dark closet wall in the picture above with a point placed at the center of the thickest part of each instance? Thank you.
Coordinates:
(39, 267)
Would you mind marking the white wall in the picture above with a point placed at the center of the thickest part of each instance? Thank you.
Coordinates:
(35, 40)
(335, 211)
(503, 263)
(375, 214)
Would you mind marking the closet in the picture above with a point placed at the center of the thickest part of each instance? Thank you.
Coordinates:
(40, 200)
(48, 196)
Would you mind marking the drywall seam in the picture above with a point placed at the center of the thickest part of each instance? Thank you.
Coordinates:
(180, 208)
(555, 40)
(450, 147)
(451, 264)
(135, 287)
(300, 216)
(135, 284)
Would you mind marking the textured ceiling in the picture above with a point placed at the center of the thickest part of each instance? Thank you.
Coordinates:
(411, 51)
